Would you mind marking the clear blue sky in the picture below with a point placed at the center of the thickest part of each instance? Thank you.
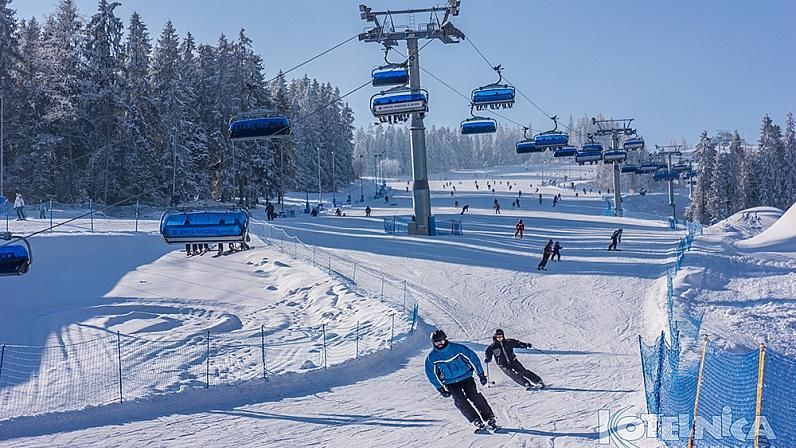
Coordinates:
(677, 66)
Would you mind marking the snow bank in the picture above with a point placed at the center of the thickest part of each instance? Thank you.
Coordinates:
(747, 223)
(778, 237)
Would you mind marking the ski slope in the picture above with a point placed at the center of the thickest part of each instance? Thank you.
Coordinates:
(585, 313)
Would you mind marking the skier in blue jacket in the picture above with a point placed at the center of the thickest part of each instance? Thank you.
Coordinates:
(449, 368)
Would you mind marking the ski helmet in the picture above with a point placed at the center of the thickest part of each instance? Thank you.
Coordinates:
(499, 332)
(438, 336)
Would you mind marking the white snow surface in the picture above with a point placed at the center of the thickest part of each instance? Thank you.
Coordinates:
(585, 313)
(779, 237)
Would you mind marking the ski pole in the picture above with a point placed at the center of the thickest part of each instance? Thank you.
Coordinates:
(544, 353)
(487, 375)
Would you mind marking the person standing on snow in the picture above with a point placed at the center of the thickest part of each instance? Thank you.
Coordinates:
(502, 349)
(449, 368)
(548, 250)
(556, 252)
(616, 238)
(19, 206)
(519, 229)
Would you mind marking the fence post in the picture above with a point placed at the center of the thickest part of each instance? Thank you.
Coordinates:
(414, 318)
(382, 285)
(392, 329)
(696, 399)
(91, 212)
(136, 216)
(119, 354)
(404, 296)
(759, 401)
(313, 255)
(295, 249)
(355, 274)
(262, 348)
(356, 355)
(207, 364)
(323, 328)
(51, 215)
(330, 264)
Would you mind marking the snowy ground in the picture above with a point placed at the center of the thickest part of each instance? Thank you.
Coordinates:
(585, 312)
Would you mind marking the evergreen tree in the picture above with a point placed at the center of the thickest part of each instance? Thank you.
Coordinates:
(705, 158)
(789, 167)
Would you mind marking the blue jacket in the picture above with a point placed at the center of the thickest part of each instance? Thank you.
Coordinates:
(452, 364)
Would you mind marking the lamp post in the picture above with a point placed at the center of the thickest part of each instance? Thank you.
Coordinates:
(2, 123)
(320, 193)
(361, 179)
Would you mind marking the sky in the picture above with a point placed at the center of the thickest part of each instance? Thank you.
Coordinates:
(678, 67)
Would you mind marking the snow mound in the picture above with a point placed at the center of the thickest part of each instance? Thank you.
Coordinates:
(747, 223)
(779, 237)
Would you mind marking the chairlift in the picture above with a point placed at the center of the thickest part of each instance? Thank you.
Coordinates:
(633, 144)
(527, 145)
(647, 167)
(15, 255)
(680, 167)
(493, 96)
(204, 226)
(614, 156)
(565, 151)
(552, 139)
(478, 125)
(390, 74)
(589, 152)
(259, 127)
(395, 105)
(628, 169)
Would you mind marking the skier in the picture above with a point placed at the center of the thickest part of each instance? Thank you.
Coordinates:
(548, 250)
(497, 207)
(519, 229)
(518, 202)
(338, 212)
(19, 206)
(502, 349)
(465, 208)
(540, 197)
(520, 193)
(269, 211)
(449, 368)
(386, 199)
(555, 200)
(556, 252)
(616, 238)
(367, 211)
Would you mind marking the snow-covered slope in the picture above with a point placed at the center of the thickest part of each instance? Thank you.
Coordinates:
(778, 237)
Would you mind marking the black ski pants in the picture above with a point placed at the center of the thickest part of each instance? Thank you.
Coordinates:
(543, 263)
(464, 393)
(614, 243)
(517, 372)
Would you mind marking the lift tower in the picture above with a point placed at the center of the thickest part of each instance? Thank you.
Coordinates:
(385, 33)
(669, 151)
(614, 129)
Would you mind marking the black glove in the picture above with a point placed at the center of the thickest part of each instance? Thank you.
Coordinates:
(482, 377)
(486, 360)
(444, 392)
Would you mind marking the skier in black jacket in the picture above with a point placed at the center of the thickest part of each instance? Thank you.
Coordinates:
(503, 351)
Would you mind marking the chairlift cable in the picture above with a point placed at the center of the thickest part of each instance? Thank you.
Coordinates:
(313, 58)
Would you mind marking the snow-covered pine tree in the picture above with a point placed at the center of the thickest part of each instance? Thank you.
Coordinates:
(769, 161)
(101, 101)
(705, 158)
(140, 165)
(789, 179)
(282, 149)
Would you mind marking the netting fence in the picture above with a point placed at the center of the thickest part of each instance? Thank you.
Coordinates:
(120, 367)
(704, 396)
